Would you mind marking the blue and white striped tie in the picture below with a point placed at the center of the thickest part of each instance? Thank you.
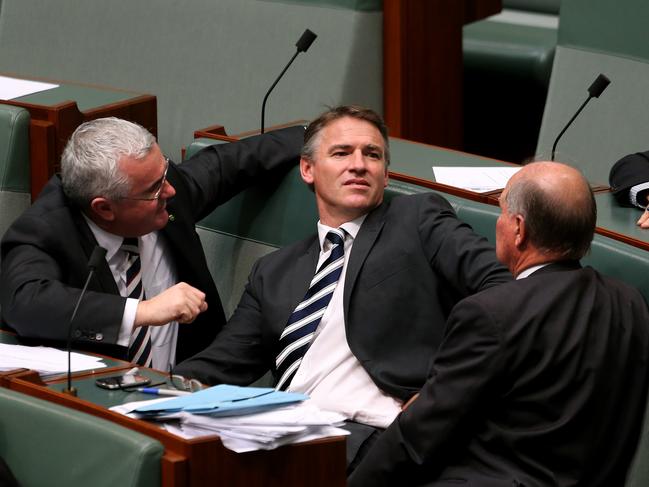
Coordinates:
(303, 322)
(139, 350)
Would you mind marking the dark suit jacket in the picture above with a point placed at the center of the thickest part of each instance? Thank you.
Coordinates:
(411, 261)
(626, 173)
(45, 252)
(539, 382)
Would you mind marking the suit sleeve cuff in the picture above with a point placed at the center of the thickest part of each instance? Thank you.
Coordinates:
(128, 319)
(638, 195)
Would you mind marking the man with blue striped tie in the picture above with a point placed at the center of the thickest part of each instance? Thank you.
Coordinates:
(117, 190)
(353, 315)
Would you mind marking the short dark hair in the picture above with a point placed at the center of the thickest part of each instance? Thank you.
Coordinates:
(558, 225)
(312, 133)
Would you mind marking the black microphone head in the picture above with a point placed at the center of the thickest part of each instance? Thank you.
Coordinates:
(304, 42)
(598, 86)
(98, 254)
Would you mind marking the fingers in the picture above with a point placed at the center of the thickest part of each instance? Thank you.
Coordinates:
(643, 222)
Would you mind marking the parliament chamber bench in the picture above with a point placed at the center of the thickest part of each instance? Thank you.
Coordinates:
(14, 164)
(48, 444)
(283, 210)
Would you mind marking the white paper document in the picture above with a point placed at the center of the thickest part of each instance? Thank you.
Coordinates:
(478, 179)
(45, 360)
(11, 88)
(249, 432)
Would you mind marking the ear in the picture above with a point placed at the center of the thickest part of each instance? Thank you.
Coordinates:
(103, 209)
(387, 178)
(521, 232)
(306, 170)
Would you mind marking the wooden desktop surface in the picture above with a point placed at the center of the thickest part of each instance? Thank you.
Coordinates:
(195, 462)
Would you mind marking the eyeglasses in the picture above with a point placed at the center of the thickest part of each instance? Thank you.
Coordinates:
(183, 384)
(156, 194)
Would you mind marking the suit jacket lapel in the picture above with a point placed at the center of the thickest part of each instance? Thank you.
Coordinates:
(180, 232)
(103, 275)
(303, 271)
(363, 243)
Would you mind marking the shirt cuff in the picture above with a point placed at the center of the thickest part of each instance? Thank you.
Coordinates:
(634, 192)
(126, 330)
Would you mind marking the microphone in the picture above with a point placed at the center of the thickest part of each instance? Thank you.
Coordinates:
(303, 44)
(97, 256)
(594, 90)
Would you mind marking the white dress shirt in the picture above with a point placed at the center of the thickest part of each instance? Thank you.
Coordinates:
(330, 373)
(158, 274)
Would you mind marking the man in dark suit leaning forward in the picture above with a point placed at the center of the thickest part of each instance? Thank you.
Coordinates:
(357, 336)
(538, 382)
(117, 190)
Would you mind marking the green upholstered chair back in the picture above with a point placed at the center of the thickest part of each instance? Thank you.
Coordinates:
(45, 444)
(599, 36)
(14, 164)
(207, 61)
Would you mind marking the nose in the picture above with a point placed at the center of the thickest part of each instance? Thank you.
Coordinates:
(168, 191)
(357, 161)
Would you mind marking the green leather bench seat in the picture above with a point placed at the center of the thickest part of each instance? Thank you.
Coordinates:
(45, 444)
(201, 57)
(599, 36)
(522, 51)
(14, 164)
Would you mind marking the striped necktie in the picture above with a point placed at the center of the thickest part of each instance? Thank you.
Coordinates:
(139, 350)
(303, 322)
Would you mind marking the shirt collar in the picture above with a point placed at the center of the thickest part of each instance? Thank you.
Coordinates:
(352, 228)
(107, 240)
(530, 270)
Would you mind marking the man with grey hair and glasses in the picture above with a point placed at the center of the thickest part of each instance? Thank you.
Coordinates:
(117, 190)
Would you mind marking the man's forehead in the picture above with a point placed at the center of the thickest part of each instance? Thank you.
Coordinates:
(352, 132)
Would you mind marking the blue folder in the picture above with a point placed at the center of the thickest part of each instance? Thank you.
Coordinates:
(225, 400)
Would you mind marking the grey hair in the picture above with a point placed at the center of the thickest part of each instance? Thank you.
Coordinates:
(553, 226)
(90, 160)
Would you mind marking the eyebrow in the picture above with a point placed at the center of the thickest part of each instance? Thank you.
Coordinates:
(367, 147)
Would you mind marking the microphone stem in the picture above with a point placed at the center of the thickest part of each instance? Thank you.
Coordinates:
(554, 146)
(263, 105)
(70, 390)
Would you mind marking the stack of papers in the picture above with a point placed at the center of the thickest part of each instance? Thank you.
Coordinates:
(46, 361)
(245, 418)
(263, 431)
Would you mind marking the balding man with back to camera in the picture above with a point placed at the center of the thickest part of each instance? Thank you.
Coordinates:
(537, 382)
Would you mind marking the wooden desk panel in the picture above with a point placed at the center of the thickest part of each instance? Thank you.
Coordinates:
(422, 66)
(54, 117)
(202, 461)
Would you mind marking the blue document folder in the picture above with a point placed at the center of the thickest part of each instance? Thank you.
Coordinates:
(225, 400)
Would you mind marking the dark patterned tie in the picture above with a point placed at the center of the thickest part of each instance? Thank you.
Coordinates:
(139, 350)
(303, 322)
